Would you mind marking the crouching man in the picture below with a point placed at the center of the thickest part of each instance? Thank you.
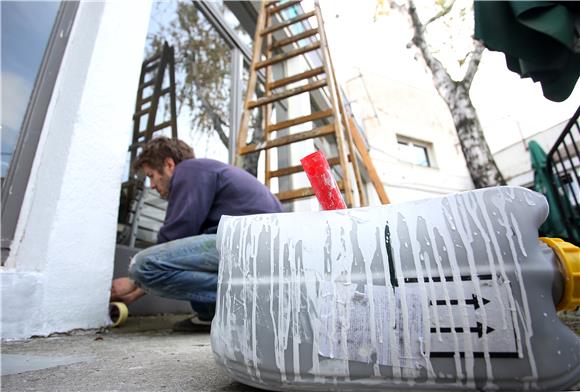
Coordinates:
(184, 264)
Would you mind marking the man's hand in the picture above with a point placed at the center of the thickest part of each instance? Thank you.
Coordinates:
(125, 290)
(121, 287)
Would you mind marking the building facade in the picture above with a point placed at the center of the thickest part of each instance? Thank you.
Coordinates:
(412, 139)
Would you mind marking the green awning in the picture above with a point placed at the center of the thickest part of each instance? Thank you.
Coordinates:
(540, 40)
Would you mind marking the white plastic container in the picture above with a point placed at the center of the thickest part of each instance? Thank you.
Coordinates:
(449, 293)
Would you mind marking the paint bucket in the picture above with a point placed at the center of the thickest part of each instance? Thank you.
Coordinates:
(448, 293)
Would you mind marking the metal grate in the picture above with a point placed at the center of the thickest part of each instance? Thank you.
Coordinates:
(563, 164)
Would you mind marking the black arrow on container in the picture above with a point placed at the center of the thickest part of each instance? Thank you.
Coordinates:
(474, 301)
(478, 329)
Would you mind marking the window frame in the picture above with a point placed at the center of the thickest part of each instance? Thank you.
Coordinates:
(17, 177)
(241, 56)
(426, 146)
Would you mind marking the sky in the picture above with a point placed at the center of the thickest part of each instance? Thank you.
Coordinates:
(508, 106)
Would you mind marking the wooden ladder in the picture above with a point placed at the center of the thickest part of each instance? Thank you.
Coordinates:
(332, 119)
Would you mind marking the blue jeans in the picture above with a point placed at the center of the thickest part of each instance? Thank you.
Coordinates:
(184, 269)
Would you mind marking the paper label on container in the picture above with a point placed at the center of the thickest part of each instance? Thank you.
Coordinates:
(348, 332)
(486, 319)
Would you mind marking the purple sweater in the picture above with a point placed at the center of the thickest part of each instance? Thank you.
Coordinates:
(202, 190)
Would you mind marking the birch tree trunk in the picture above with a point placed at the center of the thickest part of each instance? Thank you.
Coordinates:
(480, 162)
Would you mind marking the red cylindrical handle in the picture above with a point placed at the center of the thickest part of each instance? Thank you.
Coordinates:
(323, 183)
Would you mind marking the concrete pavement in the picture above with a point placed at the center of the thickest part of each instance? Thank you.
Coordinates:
(143, 355)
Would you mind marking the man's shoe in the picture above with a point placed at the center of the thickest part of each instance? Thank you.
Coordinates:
(192, 324)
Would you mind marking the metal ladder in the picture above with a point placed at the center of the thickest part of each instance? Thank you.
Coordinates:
(332, 121)
(154, 68)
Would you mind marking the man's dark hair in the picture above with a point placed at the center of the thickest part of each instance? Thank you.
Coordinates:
(157, 150)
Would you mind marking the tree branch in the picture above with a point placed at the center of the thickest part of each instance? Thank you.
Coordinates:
(473, 64)
(216, 120)
(379, 10)
(444, 11)
(399, 7)
(443, 82)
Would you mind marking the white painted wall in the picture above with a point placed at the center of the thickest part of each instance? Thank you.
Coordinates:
(417, 114)
(58, 276)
